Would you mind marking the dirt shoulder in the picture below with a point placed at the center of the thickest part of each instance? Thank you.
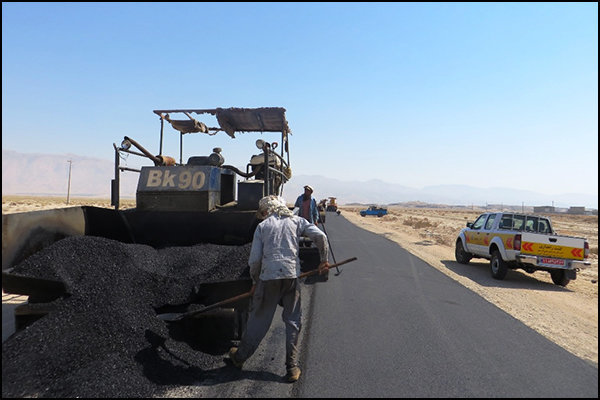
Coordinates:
(568, 316)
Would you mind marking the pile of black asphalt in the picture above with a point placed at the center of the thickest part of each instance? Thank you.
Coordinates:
(104, 338)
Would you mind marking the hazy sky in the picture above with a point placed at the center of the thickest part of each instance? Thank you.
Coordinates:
(488, 94)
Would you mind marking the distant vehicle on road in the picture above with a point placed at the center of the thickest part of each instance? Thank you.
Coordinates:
(374, 210)
(332, 205)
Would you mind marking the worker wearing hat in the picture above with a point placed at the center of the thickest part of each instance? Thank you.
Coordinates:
(307, 205)
(274, 268)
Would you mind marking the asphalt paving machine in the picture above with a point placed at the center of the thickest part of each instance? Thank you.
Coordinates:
(201, 200)
(332, 205)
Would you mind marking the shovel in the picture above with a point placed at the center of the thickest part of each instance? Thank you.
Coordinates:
(173, 317)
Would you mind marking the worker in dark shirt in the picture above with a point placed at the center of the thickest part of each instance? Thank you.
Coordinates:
(307, 206)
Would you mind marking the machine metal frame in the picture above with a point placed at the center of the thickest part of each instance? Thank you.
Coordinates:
(230, 121)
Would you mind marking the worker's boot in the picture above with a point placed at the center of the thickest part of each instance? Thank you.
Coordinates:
(234, 361)
(293, 374)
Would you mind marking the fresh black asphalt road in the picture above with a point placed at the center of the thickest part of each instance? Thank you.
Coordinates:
(390, 325)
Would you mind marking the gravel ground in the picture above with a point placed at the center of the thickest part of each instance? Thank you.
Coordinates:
(105, 340)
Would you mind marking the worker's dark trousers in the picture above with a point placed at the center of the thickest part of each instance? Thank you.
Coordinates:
(267, 295)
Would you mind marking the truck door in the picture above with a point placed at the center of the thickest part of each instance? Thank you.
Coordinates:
(487, 234)
(475, 236)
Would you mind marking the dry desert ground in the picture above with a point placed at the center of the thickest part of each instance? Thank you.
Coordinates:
(566, 315)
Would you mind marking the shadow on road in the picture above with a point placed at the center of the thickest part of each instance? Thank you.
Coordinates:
(164, 366)
(229, 373)
(479, 272)
(311, 280)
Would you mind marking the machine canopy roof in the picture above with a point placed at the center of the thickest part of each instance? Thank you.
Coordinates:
(231, 120)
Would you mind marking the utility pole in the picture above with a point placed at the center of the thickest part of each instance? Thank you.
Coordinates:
(69, 185)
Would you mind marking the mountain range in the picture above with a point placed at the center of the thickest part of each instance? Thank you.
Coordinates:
(48, 175)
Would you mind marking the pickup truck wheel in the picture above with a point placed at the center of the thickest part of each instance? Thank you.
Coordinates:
(460, 254)
(498, 266)
(559, 277)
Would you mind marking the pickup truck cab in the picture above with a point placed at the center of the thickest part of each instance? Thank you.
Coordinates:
(512, 241)
(373, 210)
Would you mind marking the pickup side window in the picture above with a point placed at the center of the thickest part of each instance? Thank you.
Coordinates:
(490, 222)
(518, 222)
(506, 221)
(531, 224)
(544, 226)
(479, 222)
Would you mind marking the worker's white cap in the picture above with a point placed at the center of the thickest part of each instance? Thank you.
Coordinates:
(309, 188)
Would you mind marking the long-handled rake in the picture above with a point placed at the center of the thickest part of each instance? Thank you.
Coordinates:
(330, 249)
(172, 317)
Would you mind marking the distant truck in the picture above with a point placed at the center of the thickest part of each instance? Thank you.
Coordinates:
(512, 241)
(332, 205)
(374, 210)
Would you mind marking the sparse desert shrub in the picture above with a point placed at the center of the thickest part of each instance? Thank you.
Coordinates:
(441, 240)
(418, 223)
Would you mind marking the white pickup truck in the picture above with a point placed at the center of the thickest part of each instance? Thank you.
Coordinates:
(512, 241)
